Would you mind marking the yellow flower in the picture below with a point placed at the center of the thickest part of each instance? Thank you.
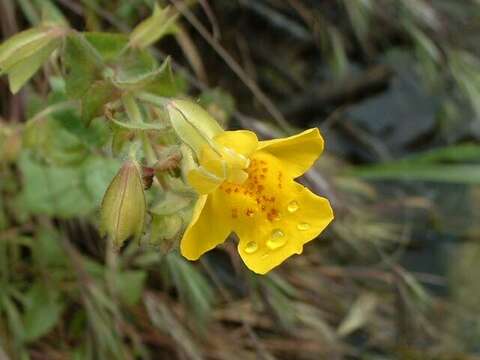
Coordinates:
(247, 186)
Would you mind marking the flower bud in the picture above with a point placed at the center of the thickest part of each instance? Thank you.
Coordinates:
(10, 146)
(123, 206)
(194, 125)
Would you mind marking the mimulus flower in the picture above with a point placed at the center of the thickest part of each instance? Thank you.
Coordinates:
(247, 187)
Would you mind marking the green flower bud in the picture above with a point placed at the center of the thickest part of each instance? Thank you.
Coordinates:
(123, 206)
(10, 145)
(194, 125)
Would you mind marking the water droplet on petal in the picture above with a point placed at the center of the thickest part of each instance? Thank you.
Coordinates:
(278, 233)
(251, 247)
(277, 239)
(303, 226)
(292, 206)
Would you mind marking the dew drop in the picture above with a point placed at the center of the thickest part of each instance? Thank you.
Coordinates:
(251, 247)
(277, 233)
(303, 226)
(292, 206)
(277, 239)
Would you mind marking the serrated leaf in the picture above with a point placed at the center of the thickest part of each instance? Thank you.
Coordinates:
(83, 65)
(52, 190)
(64, 191)
(23, 70)
(92, 137)
(50, 139)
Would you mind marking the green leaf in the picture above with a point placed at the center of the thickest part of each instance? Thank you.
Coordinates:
(23, 45)
(165, 230)
(360, 313)
(51, 14)
(149, 31)
(460, 174)
(166, 83)
(23, 70)
(445, 164)
(454, 153)
(51, 190)
(13, 318)
(134, 64)
(96, 98)
(164, 318)
(83, 65)
(139, 81)
(92, 137)
(63, 191)
(195, 291)
(42, 313)
(48, 250)
(130, 285)
(50, 139)
(97, 173)
(109, 45)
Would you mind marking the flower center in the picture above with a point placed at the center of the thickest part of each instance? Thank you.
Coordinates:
(258, 195)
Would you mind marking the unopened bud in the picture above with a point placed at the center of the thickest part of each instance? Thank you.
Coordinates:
(194, 125)
(10, 146)
(123, 206)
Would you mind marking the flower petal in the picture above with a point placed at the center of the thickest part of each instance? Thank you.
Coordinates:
(242, 141)
(298, 152)
(276, 217)
(207, 229)
(203, 181)
(287, 237)
(312, 217)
